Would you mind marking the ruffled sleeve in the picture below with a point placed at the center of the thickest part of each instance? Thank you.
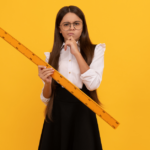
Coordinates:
(47, 54)
(93, 76)
(44, 99)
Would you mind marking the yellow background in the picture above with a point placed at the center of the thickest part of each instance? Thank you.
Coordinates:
(123, 25)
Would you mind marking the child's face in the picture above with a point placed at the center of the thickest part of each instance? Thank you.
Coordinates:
(71, 17)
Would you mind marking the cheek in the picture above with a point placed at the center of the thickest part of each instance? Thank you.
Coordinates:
(64, 34)
(79, 33)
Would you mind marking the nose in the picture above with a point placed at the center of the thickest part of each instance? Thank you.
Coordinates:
(71, 26)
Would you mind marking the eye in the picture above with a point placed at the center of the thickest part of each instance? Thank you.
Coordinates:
(76, 23)
(66, 24)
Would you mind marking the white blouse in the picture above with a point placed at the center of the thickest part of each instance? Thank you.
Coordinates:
(69, 68)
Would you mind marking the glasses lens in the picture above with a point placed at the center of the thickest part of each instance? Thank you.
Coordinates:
(77, 25)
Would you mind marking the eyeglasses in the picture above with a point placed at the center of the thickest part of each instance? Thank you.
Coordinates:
(66, 26)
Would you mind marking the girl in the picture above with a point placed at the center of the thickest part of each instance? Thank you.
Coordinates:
(69, 124)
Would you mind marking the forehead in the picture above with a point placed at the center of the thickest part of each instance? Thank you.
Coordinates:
(70, 17)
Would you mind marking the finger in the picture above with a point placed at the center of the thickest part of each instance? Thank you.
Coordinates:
(66, 44)
(41, 67)
(47, 75)
(43, 72)
(47, 72)
(46, 69)
(72, 38)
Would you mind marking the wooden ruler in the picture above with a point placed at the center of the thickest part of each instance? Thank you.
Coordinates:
(61, 80)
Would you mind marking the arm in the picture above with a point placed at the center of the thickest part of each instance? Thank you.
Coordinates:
(92, 76)
(46, 91)
(45, 94)
(82, 63)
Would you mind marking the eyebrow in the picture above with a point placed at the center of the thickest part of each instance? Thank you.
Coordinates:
(73, 22)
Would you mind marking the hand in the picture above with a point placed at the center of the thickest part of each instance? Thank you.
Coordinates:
(45, 74)
(73, 45)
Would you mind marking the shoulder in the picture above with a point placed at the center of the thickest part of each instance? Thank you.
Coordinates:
(100, 47)
(47, 54)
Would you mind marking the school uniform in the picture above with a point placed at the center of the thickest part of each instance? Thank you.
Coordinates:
(75, 125)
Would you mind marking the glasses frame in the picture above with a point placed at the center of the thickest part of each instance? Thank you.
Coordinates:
(73, 25)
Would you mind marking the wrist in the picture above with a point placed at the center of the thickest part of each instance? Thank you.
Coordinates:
(77, 54)
(47, 84)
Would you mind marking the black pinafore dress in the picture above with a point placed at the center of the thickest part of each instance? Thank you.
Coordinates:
(75, 125)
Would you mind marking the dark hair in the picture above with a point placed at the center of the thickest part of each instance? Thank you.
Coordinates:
(86, 49)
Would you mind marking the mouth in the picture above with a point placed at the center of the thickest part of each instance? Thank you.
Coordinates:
(70, 33)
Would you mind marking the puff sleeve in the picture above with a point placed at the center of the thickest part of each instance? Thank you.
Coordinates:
(44, 99)
(93, 76)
